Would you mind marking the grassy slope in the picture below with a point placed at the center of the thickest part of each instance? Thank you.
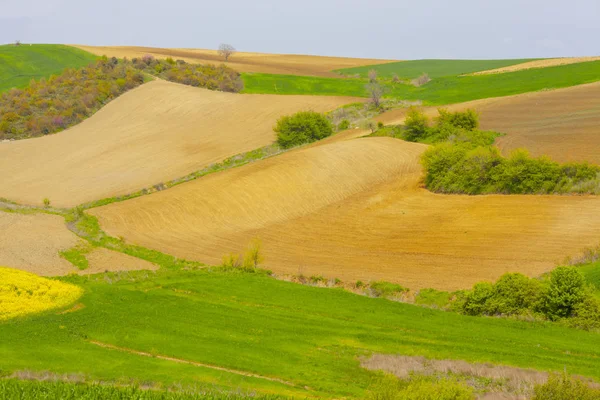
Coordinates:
(20, 64)
(434, 68)
(446, 90)
(249, 322)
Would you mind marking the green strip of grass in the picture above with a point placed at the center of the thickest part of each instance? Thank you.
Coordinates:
(434, 68)
(250, 322)
(446, 90)
(77, 255)
(20, 64)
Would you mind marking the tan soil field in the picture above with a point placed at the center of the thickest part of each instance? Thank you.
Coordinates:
(353, 210)
(104, 260)
(155, 133)
(32, 243)
(290, 64)
(563, 124)
(552, 62)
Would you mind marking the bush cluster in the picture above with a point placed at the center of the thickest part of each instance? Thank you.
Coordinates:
(207, 76)
(466, 162)
(53, 104)
(302, 127)
(565, 387)
(420, 388)
(562, 296)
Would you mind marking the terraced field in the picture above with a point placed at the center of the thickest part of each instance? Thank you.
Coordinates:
(292, 64)
(155, 133)
(361, 216)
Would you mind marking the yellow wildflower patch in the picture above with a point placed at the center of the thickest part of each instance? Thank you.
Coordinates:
(23, 293)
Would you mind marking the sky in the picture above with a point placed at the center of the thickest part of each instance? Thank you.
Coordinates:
(388, 29)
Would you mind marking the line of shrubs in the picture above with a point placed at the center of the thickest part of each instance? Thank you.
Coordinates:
(51, 105)
(465, 161)
(208, 76)
(562, 296)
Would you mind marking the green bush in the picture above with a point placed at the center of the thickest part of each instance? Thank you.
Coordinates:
(564, 387)
(416, 125)
(586, 315)
(345, 124)
(386, 289)
(566, 289)
(419, 388)
(468, 119)
(302, 127)
(475, 300)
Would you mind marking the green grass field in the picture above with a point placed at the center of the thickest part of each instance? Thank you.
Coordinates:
(434, 68)
(445, 90)
(20, 64)
(308, 336)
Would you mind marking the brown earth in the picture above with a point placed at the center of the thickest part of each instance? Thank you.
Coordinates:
(353, 210)
(552, 62)
(32, 242)
(563, 124)
(154, 133)
(290, 64)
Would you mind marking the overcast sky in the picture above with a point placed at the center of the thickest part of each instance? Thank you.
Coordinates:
(395, 29)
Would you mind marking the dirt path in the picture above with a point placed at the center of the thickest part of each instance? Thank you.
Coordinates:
(194, 363)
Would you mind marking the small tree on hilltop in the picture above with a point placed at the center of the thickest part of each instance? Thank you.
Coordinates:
(17, 42)
(226, 50)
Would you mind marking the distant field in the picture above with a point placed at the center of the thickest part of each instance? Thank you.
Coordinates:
(434, 68)
(543, 63)
(444, 90)
(154, 133)
(296, 340)
(362, 199)
(294, 64)
(20, 64)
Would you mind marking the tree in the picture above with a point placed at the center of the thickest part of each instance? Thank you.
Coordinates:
(17, 42)
(566, 290)
(416, 124)
(372, 76)
(376, 92)
(302, 127)
(226, 50)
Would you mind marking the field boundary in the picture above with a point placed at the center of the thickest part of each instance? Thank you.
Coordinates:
(194, 363)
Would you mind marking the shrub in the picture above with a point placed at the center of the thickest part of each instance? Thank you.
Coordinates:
(302, 127)
(386, 289)
(46, 202)
(372, 75)
(253, 255)
(566, 289)
(513, 294)
(564, 387)
(468, 119)
(345, 124)
(380, 125)
(586, 315)
(475, 300)
(416, 124)
(421, 80)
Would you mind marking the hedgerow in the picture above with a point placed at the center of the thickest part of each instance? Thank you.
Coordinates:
(464, 161)
(51, 105)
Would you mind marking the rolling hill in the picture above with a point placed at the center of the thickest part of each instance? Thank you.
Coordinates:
(20, 64)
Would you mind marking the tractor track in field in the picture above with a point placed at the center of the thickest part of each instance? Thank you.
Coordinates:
(189, 362)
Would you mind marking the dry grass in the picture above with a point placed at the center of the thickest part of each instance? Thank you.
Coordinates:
(553, 62)
(353, 209)
(155, 133)
(290, 64)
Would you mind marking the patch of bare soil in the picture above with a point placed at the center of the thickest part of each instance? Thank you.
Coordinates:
(105, 260)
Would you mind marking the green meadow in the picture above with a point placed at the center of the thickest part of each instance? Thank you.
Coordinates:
(433, 68)
(20, 64)
(312, 338)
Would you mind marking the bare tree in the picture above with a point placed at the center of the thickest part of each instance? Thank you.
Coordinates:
(421, 80)
(372, 76)
(17, 42)
(226, 50)
(376, 92)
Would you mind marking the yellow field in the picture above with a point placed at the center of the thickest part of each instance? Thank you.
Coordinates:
(22, 294)
(290, 64)
(552, 62)
(353, 209)
(155, 133)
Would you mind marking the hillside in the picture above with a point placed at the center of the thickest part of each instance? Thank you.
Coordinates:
(20, 64)
(293, 64)
(155, 133)
(389, 229)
